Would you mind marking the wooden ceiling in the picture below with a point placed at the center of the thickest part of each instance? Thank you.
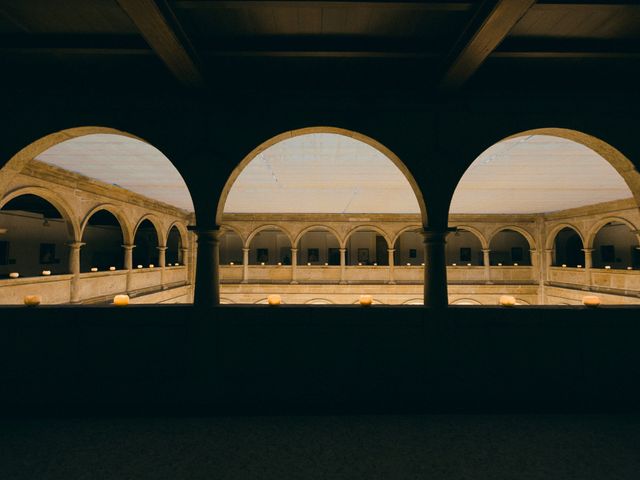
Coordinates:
(433, 45)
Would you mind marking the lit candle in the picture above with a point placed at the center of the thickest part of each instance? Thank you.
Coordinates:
(564, 265)
(578, 266)
(172, 264)
(308, 264)
(14, 275)
(326, 264)
(151, 265)
(274, 300)
(94, 269)
(176, 264)
(515, 264)
(279, 264)
(468, 264)
(139, 266)
(507, 301)
(454, 264)
(111, 269)
(408, 264)
(499, 264)
(366, 300)
(591, 301)
(422, 264)
(359, 264)
(230, 263)
(629, 268)
(262, 263)
(121, 300)
(46, 272)
(32, 300)
(608, 267)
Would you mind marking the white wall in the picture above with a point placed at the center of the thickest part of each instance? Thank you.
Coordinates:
(623, 242)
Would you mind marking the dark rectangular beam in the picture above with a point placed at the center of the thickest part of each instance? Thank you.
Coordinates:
(75, 44)
(555, 48)
(443, 6)
(161, 30)
(493, 20)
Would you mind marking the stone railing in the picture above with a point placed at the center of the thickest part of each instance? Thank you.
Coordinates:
(92, 287)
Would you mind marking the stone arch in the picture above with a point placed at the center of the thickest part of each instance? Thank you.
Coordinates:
(226, 301)
(553, 233)
(127, 231)
(75, 232)
(520, 230)
(320, 129)
(360, 228)
(476, 232)
(410, 228)
(519, 301)
(593, 232)
(467, 301)
(617, 159)
(414, 301)
(319, 301)
(182, 230)
(157, 224)
(319, 227)
(261, 228)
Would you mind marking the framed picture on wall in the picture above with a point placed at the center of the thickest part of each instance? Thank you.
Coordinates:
(334, 256)
(262, 255)
(465, 254)
(363, 255)
(313, 255)
(47, 253)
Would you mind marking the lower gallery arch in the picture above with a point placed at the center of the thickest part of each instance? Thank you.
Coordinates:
(146, 244)
(615, 246)
(539, 190)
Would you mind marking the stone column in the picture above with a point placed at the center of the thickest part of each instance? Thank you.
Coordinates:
(74, 269)
(294, 265)
(184, 257)
(207, 288)
(588, 264)
(390, 252)
(343, 266)
(162, 262)
(245, 265)
(435, 271)
(128, 263)
(486, 260)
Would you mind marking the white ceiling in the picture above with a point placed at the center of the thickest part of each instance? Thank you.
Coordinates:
(119, 160)
(321, 173)
(537, 174)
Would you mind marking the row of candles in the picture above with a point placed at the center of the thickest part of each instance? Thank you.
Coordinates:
(309, 264)
(46, 273)
(275, 300)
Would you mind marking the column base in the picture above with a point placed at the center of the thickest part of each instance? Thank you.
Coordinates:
(342, 282)
(391, 282)
(293, 282)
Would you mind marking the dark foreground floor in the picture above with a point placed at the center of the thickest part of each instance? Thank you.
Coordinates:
(367, 447)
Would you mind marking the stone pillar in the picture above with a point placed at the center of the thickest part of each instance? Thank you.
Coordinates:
(128, 263)
(588, 264)
(343, 266)
(162, 262)
(486, 260)
(207, 288)
(74, 269)
(294, 265)
(245, 265)
(435, 270)
(184, 256)
(390, 252)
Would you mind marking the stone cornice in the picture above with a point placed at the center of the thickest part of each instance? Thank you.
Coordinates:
(60, 176)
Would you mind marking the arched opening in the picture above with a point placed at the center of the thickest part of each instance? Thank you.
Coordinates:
(342, 192)
(230, 248)
(319, 301)
(526, 188)
(33, 237)
(270, 246)
(409, 249)
(174, 247)
(463, 248)
(319, 246)
(367, 246)
(103, 240)
(616, 246)
(568, 249)
(146, 244)
(509, 247)
(105, 179)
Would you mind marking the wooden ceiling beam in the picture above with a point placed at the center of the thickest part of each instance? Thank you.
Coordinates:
(161, 30)
(493, 20)
(566, 48)
(442, 6)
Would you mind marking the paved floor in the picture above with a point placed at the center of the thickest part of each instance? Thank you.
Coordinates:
(337, 447)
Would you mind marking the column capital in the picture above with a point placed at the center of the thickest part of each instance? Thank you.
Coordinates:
(587, 250)
(246, 249)
(3, 230)
(549, 250)
(162, 249)
(486, 250)
(75, 244)
(294, 250)
(342, 250)
(128, 246)
(436, 235)
(211, 233)
(391, 250)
